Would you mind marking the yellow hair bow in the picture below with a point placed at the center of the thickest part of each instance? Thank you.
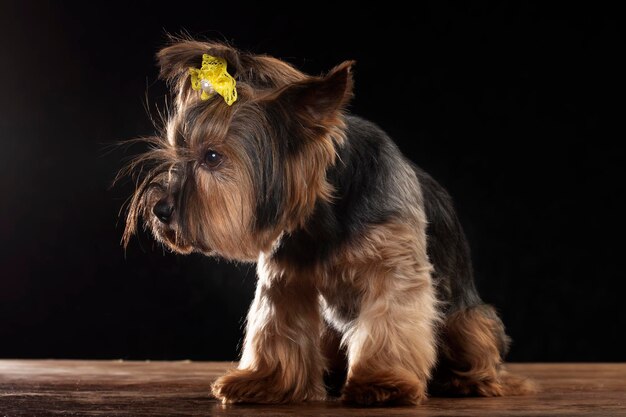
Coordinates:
(212, 77)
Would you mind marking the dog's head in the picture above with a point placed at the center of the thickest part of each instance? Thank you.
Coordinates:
(230, 179)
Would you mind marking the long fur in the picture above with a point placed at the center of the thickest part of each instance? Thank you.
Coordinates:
(364, 272)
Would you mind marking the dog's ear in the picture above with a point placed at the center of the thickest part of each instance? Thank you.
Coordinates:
(319, 99)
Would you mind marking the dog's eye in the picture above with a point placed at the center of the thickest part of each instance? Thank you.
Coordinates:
(212, 159)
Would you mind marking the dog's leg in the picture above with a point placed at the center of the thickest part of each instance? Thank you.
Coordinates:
(473, 343)
(281, 360)
(392, 343)
(336, 361)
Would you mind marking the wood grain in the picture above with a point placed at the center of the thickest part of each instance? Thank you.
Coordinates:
(118, 388)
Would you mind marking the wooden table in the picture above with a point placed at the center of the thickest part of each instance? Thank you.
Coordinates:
(118, 388)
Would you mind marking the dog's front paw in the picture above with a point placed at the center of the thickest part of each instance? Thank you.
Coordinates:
(245, 386)
(383, 390)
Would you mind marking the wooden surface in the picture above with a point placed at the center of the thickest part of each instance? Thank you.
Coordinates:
(116, 388)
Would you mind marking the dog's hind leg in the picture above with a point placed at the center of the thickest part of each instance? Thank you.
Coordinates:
(472, 346)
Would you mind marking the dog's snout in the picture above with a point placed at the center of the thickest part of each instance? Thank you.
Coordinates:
(163, 210)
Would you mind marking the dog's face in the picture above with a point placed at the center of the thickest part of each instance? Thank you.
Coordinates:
(228, 180)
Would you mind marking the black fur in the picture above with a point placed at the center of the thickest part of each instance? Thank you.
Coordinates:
(367, 194)
(448, 249)
(363, 170)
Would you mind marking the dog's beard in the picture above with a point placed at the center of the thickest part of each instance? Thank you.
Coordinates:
(172, 239)
(211, 223)
(170, 234)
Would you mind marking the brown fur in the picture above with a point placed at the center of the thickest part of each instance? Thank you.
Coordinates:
(472, 344)
(282, 360)
(224, 222)
(336, 359)
(390, 343)
(368, 312)
(306, 171)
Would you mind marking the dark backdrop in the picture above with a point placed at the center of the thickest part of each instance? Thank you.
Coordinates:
(513, 108)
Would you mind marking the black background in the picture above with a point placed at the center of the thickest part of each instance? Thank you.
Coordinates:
(516, 109)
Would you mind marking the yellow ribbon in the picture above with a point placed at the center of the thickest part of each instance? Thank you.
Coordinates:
(213, 77)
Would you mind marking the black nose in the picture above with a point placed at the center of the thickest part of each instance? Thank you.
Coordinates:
(163, 210)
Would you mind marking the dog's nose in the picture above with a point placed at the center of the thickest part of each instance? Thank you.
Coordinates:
(163, 210)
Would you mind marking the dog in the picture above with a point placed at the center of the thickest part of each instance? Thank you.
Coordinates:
(365, 285)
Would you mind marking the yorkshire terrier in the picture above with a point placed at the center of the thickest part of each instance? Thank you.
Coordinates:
(365, 283)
